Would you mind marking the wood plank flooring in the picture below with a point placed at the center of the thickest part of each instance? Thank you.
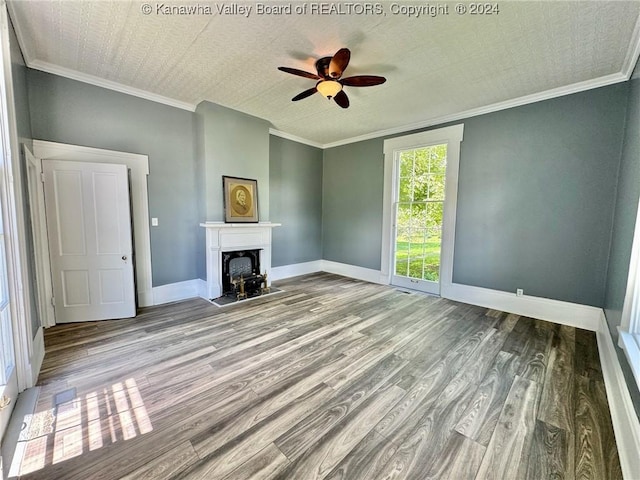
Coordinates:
(332, 379)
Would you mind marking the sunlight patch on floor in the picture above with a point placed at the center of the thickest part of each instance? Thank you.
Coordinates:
(80, 425)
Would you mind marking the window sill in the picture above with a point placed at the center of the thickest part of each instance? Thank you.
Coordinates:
(630, 343)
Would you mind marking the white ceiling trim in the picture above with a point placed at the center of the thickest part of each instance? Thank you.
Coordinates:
(26, 55)
(294, 138)
(101, 82)
(516, 102)
(536, 97)
(633, 53)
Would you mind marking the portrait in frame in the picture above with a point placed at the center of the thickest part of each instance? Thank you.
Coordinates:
(240, 200)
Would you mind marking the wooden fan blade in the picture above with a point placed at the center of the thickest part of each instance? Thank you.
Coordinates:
(339, 63)
(342, 99)
(300, 73)
(363, 81)
(305, 94)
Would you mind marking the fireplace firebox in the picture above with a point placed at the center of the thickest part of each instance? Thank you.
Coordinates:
(241, 275)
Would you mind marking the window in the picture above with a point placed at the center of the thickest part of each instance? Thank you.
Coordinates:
(419, 210)
(629, 330)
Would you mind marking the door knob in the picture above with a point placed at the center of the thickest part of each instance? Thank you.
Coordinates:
(4, 402)
(124, 257)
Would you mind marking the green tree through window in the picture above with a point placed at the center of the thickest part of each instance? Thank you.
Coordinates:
(419, 212)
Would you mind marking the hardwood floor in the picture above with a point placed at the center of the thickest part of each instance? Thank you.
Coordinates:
(332, 379)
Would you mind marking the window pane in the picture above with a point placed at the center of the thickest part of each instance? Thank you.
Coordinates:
(436, 187)
(403, 216)
(418, 215)
(434, 214)
(406, 164)
(432, 254)
(438, 159)
(421, 162)
(401, 266)
(402, 252)
(421, 188)
(405, 189)
(419, 212)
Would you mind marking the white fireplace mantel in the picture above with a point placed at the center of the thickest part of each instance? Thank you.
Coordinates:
(230, 237)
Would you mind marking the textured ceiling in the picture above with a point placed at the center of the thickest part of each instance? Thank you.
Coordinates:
(436, 67)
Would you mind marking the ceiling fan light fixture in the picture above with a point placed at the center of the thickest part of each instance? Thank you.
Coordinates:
(330, 82)
(329, 88)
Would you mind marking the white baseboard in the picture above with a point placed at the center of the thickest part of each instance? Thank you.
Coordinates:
(38, 357)
(360, 273)
(177, 291)
(352, 271)
(626, 424)
(202, 287)
(287, 271)
(565, 313)
(145, 298)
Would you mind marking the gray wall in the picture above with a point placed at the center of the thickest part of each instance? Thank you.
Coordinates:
(535, 202)
(67, 111)
(21, 97)
(536, 196)
(234, 144)
(352, 204)
(624, 221)
(295, 178)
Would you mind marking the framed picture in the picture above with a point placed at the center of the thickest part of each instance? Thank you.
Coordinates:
(240, 200)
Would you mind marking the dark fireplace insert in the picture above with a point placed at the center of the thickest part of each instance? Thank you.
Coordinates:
(241, 277)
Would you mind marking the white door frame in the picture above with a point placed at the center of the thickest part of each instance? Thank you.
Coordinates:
(139, 165)
(452, 136)
(15, 228)
(39, 229)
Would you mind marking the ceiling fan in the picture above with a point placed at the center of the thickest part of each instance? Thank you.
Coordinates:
(329, 74)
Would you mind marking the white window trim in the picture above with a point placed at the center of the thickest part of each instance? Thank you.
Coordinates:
(452, 136)
(629, 329)
(15, 228)
(630, 343)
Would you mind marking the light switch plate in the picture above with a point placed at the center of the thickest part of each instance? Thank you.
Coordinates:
(154, 222)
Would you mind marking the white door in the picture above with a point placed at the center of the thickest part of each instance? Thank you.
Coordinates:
(90, 246)
(8, 374)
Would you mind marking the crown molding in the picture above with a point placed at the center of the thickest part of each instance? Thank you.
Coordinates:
(19, 33)
(108, 84)
(516, 102)
(525, 100)
(294, 138)
(633, 53)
